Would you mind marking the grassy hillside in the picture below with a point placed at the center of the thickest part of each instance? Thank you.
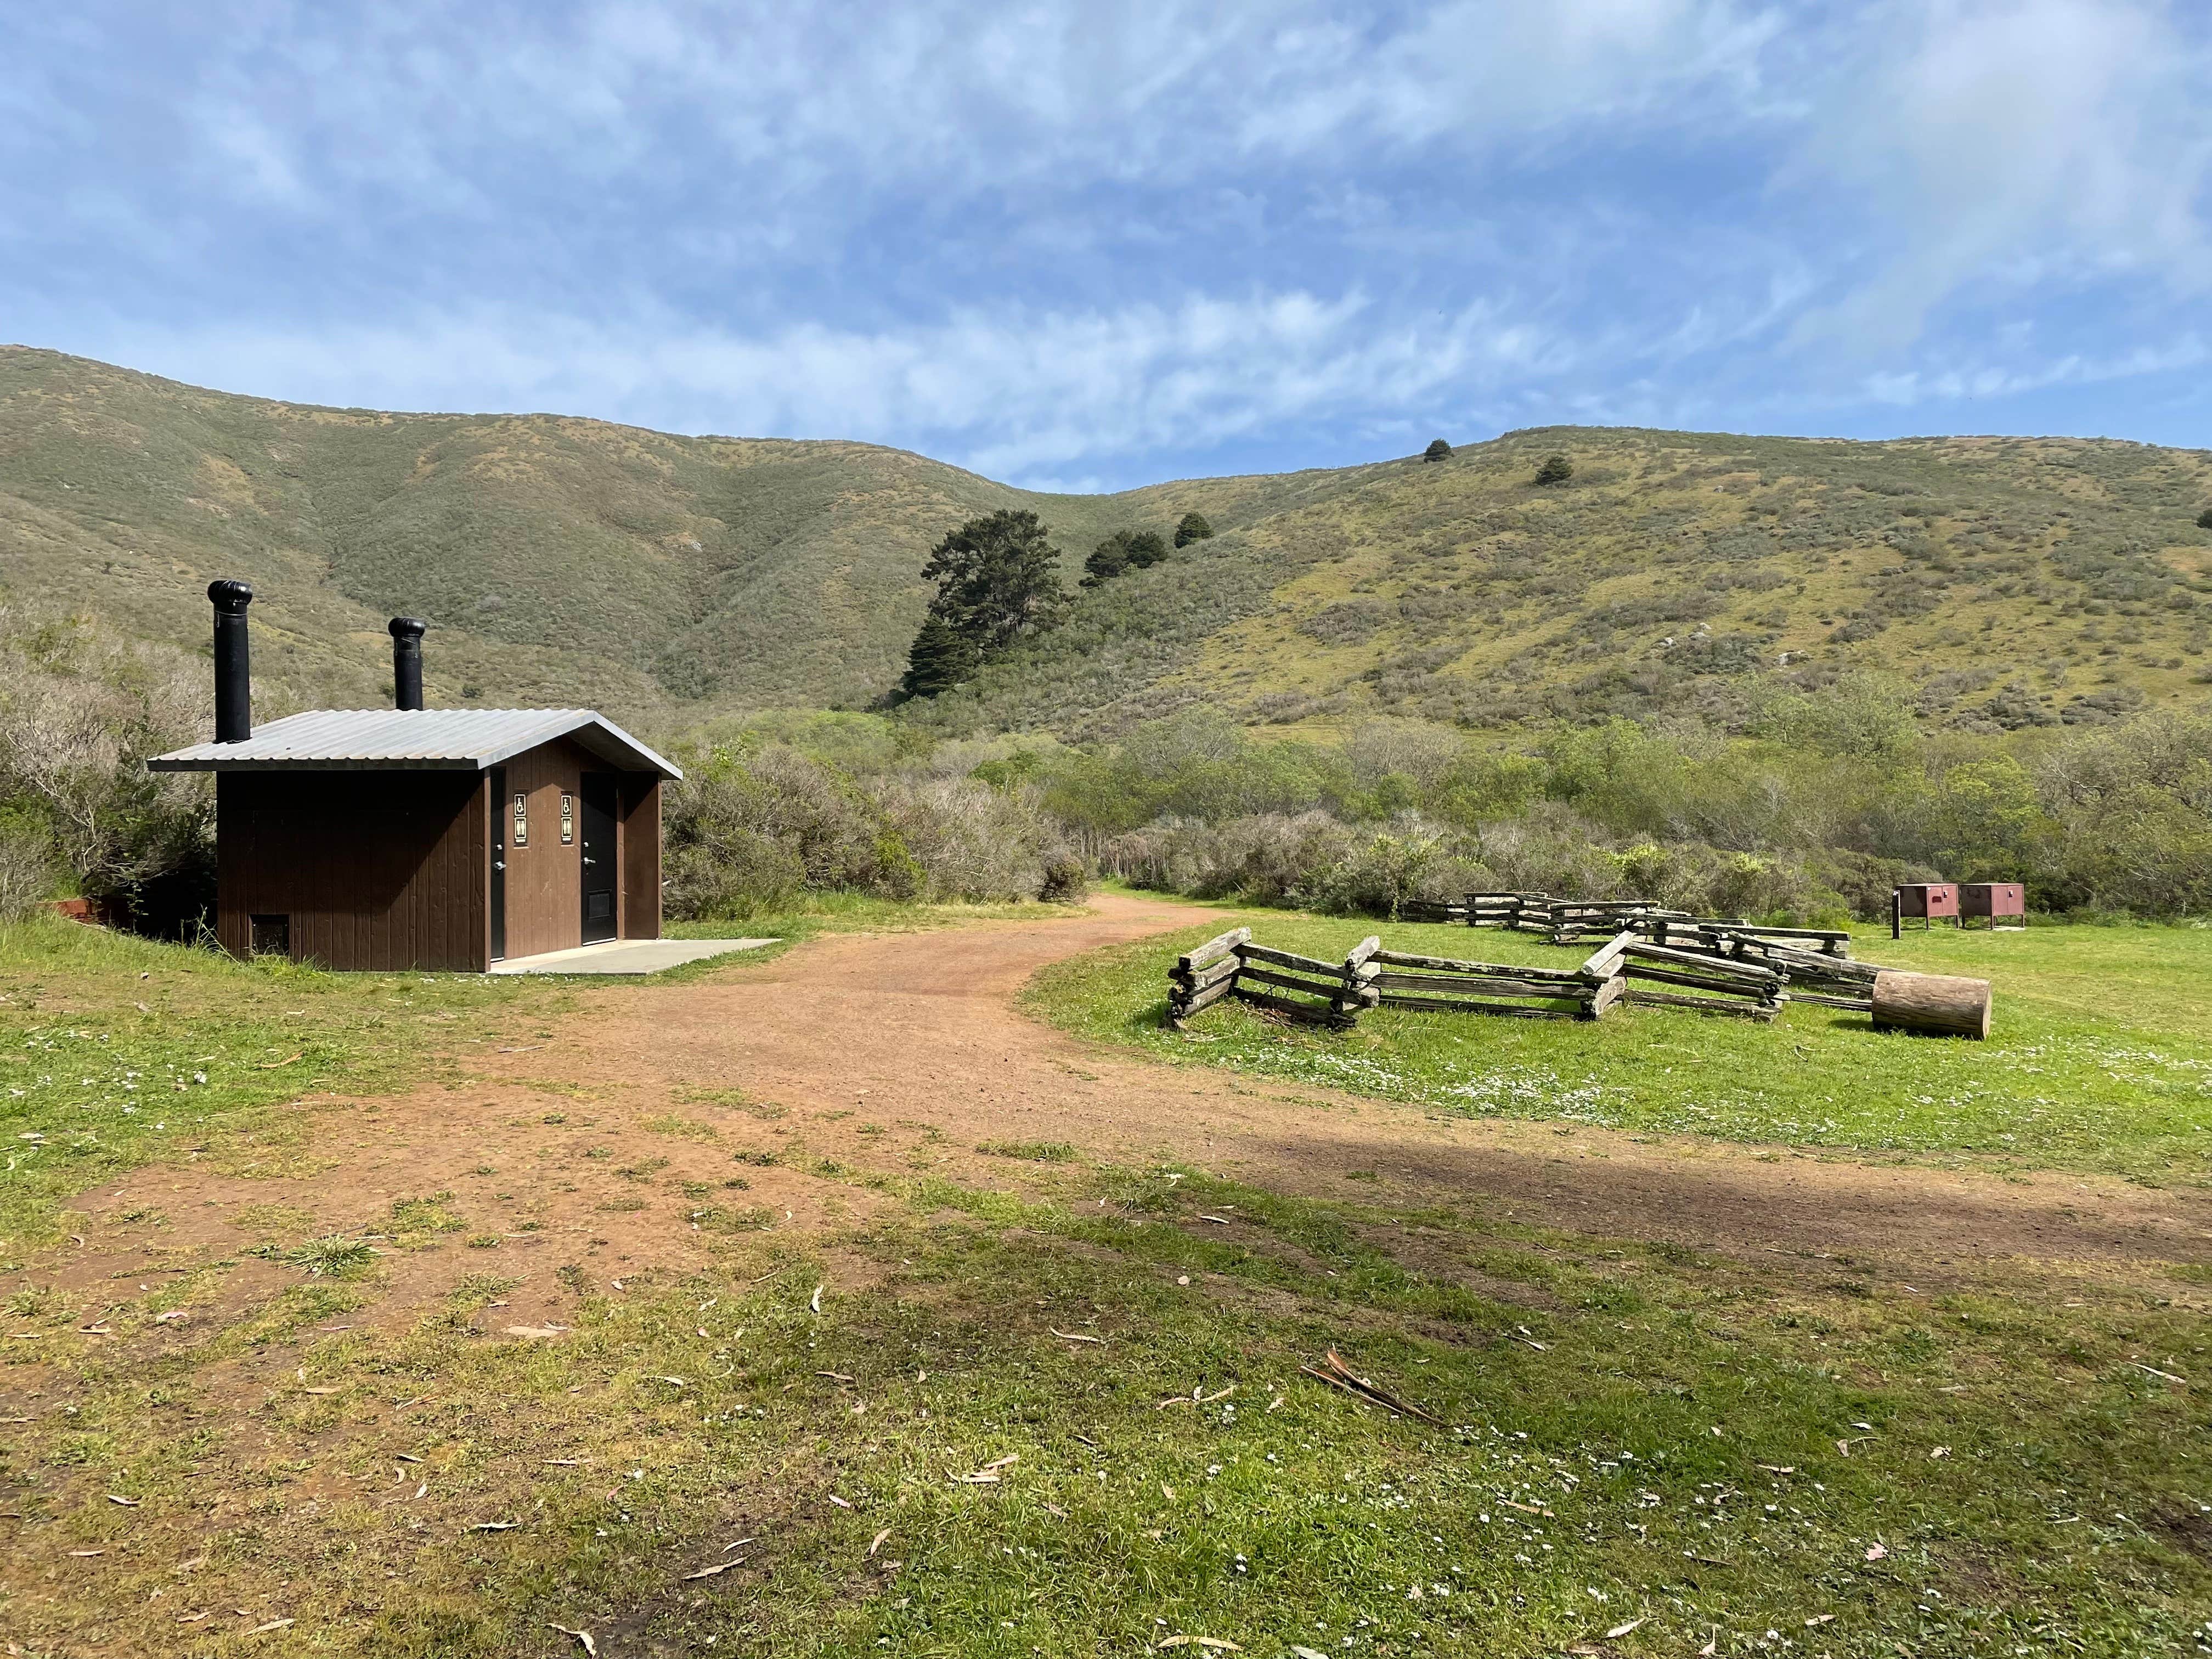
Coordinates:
(560, 561)
(2018, 581)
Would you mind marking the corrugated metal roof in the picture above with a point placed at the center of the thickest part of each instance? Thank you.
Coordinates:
(438, 739)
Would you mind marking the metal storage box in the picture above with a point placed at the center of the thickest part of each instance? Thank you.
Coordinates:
(1928, 901)
(2000, 903)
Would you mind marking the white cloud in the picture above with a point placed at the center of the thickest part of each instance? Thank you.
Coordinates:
(1078, 241)
(1984, 382)
(1013, 394)
(1470, 74)
(2014, 145)
(966, 97)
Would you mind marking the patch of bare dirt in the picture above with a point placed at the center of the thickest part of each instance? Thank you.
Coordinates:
(2187, 1529)
(614, 1142)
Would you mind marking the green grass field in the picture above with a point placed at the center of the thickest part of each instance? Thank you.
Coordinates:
(115, 1051)
(1642, 1450)
(2100, 1058)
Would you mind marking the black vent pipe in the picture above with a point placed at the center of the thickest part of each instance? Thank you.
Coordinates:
(234, 677)
(407, 661)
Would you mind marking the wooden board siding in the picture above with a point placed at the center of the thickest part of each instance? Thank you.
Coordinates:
(545, 879)
(377, 870)
(640, 834)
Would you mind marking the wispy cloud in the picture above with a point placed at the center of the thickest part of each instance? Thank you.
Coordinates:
(1085, 241)
(1018, 395)
(2011, 148)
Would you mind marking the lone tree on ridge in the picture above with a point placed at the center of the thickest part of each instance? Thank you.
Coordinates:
(997, 580)
(1556, 469)
(1437, 451)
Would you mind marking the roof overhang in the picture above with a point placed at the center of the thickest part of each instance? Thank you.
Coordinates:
(415, 740)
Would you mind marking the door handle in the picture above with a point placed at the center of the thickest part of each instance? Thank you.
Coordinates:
(498, 863)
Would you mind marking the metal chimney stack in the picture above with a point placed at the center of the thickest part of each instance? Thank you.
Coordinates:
(234, 675)
(407, 661)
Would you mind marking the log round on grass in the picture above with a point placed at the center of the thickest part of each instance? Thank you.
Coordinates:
(1941, 1002)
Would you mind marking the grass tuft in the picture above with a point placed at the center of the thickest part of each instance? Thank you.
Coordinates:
(332, 1257)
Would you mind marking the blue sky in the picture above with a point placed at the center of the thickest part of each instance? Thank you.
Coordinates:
(1086, 246)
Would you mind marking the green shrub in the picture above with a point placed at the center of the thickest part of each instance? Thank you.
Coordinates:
(1124, 550)
(28, 870)
(1066, 880)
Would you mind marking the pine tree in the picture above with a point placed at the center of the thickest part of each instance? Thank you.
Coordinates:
(1556, 469)
(1437, 451)
(2204, 520)
(1193, 528)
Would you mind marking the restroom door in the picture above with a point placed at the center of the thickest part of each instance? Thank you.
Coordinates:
(499, 810)
(602, 872)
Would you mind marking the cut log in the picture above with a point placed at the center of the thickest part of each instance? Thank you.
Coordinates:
(1944, 1004)
(1214, 948)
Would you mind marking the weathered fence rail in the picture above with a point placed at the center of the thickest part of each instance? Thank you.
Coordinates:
(1710, 965)
(1299, 986)
(1402, 980)
(1708, 984)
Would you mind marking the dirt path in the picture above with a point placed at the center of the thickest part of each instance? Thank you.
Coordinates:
(904, 1052)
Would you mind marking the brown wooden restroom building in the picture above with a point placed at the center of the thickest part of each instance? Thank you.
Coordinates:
(443, 839)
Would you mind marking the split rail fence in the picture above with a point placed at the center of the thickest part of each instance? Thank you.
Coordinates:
(1652, 957)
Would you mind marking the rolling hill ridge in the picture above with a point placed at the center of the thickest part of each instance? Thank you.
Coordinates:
(2011, 581)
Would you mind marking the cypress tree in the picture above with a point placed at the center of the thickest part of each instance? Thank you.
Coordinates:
(938, 659)
(1193, 528)
(997, 578)
(1108, 560)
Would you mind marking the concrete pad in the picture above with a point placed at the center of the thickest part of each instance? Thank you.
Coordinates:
(627, 956)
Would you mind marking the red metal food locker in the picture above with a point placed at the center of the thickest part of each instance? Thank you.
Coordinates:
(1996, 904)
(1924, 902)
